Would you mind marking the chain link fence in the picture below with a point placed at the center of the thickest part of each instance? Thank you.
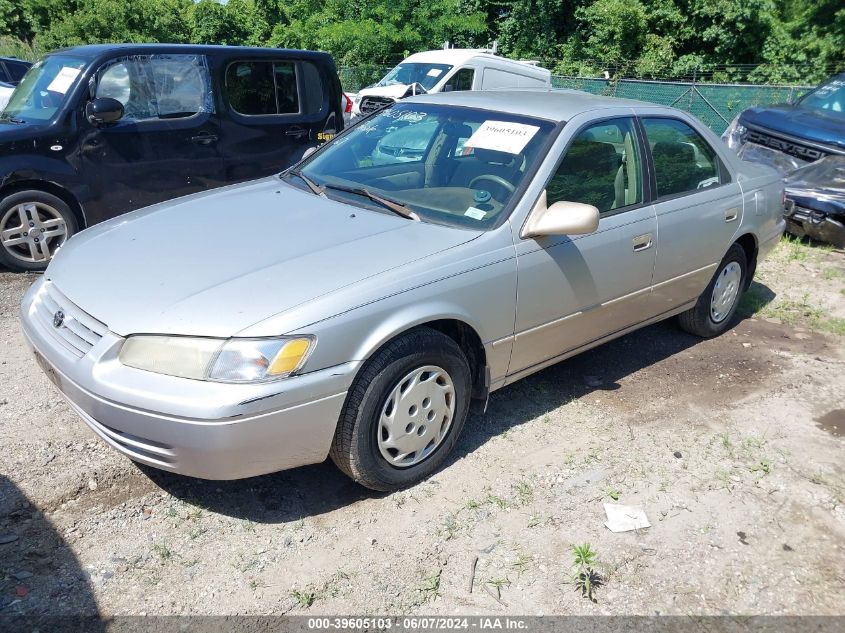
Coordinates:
(716, 104)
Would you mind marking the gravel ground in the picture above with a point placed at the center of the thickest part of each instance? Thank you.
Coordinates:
(732, 446)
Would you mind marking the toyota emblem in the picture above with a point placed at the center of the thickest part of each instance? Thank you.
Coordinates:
(58, 318)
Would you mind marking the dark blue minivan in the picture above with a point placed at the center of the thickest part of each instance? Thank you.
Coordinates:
(95, 131)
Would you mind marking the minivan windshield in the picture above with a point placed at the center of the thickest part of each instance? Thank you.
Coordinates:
(829, 97)
(43, 89)
(427, 75)
(444, 164)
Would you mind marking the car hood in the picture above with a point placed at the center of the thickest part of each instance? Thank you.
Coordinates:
(396, 91)
(812, 125)
(214, 264)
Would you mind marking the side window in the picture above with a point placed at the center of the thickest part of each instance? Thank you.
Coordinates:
(4, 75)
(16, 70)
(602, 167)
(256, 88)
(153, 87)
(683, 160)
(461, 80)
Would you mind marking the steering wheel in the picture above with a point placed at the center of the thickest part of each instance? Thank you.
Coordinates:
(493, 178)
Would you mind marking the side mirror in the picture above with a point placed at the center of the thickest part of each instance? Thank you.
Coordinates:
(561, 218)
(103, 110)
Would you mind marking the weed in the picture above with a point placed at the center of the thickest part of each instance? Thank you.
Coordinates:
(613, 493)
(764, 467)
(399, 500)
(522, 563)
(256, 583)
(832, 273)
(303, 598)
(163, 551)
(197, 532)
(795, 250)
(429, 588)
(497, 584)
(834, 325)
(249, 526)
(727, 443)
(171, 513)
(534, 520)
(195, 514)
(586, 579)
(298, 525)
(496, 500)
(450, 527)
(524, 493)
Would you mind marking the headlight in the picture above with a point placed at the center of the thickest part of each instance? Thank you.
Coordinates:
(232, 360)
(734, 136)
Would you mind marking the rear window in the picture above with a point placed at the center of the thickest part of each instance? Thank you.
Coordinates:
(266, 88)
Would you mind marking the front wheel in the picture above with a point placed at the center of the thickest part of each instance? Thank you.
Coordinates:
(404, 412)
(33, 225)
(712, 314)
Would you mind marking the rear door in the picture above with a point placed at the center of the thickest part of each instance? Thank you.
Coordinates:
(167, 143)
(276, 108)
(699, 208)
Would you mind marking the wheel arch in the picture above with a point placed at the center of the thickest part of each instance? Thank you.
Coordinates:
(749, 244)
(48, 187)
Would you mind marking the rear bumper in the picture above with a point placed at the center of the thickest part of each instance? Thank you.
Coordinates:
(205, 430)
(768, 242)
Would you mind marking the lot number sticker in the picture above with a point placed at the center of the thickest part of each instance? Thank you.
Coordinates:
(502, 136)
(63, 80)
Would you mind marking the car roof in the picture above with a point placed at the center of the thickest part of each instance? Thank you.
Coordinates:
(15, 59)
(551, 104)
(94, 51)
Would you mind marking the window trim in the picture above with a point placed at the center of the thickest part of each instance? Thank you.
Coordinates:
(646, 180)
(264, 60)
(158, 120)
(724, 173)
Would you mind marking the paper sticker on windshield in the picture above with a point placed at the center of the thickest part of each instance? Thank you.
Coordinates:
(64, 80)
(435, 72)
(502, 136)
(475, 214)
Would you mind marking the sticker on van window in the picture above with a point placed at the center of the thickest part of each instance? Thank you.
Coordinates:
(435, 72)
(64, 80)
(502, 136)
(475, 214)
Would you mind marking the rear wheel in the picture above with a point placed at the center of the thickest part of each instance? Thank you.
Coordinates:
(717, 304)
(33, 225)
(404, 412)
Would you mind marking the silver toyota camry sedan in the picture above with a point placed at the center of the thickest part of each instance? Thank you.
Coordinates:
(357, 304)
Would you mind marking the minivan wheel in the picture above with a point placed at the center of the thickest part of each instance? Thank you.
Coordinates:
(33, 225)
(404, 411)
(717, 304)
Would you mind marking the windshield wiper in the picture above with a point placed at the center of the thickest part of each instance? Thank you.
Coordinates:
(9, 118)
(313, 186)
(397, 207)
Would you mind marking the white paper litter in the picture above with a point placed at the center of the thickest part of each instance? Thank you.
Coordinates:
(625, 518)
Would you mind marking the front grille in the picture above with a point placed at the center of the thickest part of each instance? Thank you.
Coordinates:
(71, 326)
(374, 104)
(804, 152)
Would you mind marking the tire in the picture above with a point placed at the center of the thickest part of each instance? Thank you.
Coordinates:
(360, 447)
(45, 214)
(709, 317)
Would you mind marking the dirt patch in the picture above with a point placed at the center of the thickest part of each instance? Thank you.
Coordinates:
(732, 446)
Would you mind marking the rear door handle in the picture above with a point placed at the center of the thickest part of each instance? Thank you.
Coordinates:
(204, 138)
(642, 242)
(731, 214)
(296, 131)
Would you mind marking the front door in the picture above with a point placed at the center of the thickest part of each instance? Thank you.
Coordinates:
(573, 290)
(167, 143)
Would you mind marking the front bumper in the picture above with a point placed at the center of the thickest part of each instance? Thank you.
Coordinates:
(825, 227)
(202, 429)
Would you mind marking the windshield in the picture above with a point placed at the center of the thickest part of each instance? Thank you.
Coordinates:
(426, 75)
(449, 165)
(43, 89)
(829, 97)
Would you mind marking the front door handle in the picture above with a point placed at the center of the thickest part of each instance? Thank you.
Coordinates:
(204, 138)
(731, 214)
(296, 131)
(642, 242)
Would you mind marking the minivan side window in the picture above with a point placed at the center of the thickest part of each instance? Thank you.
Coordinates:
(602, 167)
(153, 87)
(683, 160)
(256, 88)
(461, 80)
